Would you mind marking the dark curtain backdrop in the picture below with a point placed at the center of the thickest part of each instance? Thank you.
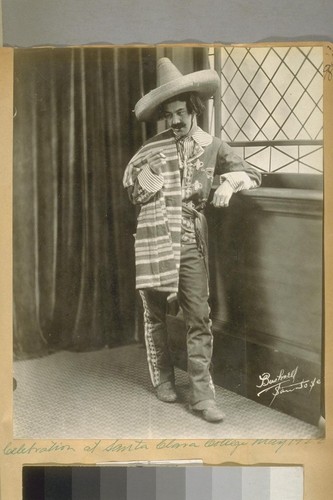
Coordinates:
(74, 131)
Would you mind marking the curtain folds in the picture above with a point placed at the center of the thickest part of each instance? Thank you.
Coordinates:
(74, 131)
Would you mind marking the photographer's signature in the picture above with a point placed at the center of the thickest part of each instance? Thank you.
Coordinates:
(284, 382)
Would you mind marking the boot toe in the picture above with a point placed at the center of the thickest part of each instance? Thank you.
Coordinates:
(213, 414)
(165, 392)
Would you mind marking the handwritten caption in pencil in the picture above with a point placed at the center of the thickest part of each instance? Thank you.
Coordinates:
(118, 446)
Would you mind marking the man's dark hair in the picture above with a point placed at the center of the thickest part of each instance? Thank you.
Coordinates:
(193, 102)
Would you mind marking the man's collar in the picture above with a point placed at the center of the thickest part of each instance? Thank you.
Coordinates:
(201, 137)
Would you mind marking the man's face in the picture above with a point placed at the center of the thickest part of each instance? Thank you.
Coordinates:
(178, 118)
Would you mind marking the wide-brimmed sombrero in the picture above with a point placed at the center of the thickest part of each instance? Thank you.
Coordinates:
(170, 83)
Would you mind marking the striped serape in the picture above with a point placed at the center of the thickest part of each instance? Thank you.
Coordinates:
(157, 240)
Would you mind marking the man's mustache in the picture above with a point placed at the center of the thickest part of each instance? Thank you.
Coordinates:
(178, 126)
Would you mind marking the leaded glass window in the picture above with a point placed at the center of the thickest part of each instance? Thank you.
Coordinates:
(271, 106)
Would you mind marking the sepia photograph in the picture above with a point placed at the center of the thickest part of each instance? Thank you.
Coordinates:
(168, 242)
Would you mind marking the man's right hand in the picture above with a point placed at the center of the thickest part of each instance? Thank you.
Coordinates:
(156, 161)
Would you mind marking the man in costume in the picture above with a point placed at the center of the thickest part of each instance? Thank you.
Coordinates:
(170, 179)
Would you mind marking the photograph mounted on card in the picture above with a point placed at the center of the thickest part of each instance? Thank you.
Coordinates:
(208, 322)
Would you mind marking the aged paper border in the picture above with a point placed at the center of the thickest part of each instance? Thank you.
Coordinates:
(314, 455)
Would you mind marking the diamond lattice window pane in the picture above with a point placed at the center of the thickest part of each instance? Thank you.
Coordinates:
(294, 59)
(250, 129)
(229, 69)
(292, 126)
(316, 57)
(306, 73)
(302, 135)
(270, 98)
(315, 89)
(249, 100)
(283, 78)
(225, 113)
(239, 84)
(259, 83)
(293, 93)
(304, 108)
(229, 99)
(259, 53)
(241, 137)
(270, 129)
(281, 112)
(238, 54)
(281, 136)
(240, 115)
(315, 124)
(281, 51)
(271, 64)
(260, 115)
(260, 136)
(231, 128)
(305, 50)
(224, 84)
(320, 105)
(250, 66)
(225, 136)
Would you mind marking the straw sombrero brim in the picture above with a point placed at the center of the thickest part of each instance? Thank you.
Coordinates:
(203, 82)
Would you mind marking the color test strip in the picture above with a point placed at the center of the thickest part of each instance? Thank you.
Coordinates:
(85, 483)
(141, 483)
(57, 483)
(198, 483)
(227, 483)
(255, 483)
(33, 481)
(170, 483)
(286, 483)
(162, 483)
(113, 483)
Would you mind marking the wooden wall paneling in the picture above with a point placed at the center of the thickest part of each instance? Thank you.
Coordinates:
(266, 296)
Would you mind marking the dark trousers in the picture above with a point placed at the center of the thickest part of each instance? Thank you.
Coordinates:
(193, 299)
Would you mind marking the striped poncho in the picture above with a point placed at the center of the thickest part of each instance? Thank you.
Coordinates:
(157, 239)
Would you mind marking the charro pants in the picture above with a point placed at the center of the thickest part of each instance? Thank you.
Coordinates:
(193, 299)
